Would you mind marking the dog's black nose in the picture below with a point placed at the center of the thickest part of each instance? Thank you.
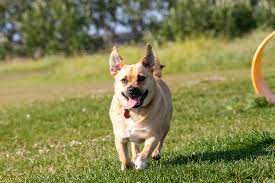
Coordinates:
(133, 91)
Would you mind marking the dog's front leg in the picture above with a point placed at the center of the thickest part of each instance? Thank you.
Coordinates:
(142, 159)
(135, 151)
(122, 149)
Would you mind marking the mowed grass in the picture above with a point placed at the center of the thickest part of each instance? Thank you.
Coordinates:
(220, 132)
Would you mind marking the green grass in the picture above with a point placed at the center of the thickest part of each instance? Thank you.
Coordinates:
(220, 132)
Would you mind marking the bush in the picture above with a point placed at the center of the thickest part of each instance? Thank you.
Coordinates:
(70, 26)
(2, 52)
(56, 26)
(238, 20)
(228, 18)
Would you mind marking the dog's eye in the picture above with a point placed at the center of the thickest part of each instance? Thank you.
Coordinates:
(141, 78)
(124, 81)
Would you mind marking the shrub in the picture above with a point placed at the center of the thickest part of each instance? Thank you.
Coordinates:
(228, 18)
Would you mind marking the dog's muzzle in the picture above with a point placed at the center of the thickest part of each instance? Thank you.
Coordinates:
(136, 95)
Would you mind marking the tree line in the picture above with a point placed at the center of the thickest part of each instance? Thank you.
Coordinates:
(41, 27)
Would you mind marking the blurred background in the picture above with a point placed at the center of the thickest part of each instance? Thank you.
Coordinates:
(52, 49)
(35, 28)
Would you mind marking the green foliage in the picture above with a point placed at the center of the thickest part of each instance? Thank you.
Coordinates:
(56, 26)
(227, 18)
(70, 26)
(2, 51)
(237, 20)
(261, 102)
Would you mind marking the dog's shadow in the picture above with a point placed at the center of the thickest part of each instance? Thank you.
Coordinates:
(252, 151)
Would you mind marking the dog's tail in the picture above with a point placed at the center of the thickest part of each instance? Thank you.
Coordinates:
(158, 68)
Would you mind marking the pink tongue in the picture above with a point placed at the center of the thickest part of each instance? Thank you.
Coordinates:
(131, 103)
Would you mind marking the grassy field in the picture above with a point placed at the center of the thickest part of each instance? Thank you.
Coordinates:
(220, 132)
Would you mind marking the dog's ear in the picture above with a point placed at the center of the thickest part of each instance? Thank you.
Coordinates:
(115, 61)
(149, 60)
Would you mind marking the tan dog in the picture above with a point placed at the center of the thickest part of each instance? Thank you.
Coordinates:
(141, 108)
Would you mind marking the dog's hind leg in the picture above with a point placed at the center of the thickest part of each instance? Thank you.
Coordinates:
(122, 149)
(135, 151)
(157, 151)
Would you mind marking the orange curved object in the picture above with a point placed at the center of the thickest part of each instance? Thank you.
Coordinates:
(258, 82)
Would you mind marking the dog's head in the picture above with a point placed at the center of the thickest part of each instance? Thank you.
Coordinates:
(134, 84)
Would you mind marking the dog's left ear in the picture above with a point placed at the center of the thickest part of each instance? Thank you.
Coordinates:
(115, 61)
(149, 60)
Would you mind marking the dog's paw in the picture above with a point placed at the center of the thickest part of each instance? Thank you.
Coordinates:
(127, 166)
(123, 168)
(140, 163)
(156, 157)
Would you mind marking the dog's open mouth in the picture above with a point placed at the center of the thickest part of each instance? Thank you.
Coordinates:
(135, 102)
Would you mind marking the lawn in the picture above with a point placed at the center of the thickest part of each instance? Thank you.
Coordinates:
(221, 131)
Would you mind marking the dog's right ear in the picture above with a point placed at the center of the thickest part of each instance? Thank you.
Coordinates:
(149, 60)
(115, 62)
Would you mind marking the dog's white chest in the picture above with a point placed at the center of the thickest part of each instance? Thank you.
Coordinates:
(132, 132)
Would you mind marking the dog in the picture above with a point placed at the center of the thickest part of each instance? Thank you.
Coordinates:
(141, 108)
